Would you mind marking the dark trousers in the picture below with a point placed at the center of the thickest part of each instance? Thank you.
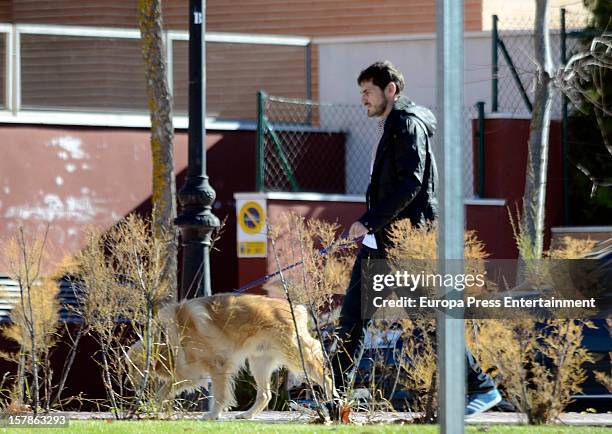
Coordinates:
(352, 324)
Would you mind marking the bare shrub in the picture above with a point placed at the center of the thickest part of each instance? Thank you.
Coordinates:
(571, 248)
(34, 321)
(537, 273)
(122, 281)
(319, 276)
(419, 366)
(540, 364)
(417, 246)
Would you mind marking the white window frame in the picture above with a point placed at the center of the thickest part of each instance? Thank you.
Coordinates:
(7, 104)
(13, 113)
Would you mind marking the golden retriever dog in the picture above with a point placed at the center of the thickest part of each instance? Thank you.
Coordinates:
(213, 337)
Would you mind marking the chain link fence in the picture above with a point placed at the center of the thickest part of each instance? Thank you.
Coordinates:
(514, 74)
(307, 146)
(516, 67)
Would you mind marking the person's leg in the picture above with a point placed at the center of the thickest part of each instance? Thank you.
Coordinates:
(482, 393)
(477, 379)
(350, 330)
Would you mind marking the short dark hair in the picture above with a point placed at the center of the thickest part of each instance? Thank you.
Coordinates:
(381, 74)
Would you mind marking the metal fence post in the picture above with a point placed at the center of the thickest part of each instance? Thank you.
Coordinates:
(480, 105)
(259, 159)
(564, 126)
(308, 61)
(515, 75)
(451, 339)
(494, 65)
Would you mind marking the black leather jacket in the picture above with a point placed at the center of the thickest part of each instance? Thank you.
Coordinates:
(404, 175)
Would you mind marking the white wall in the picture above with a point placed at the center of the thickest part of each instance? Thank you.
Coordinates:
(522, 13)
(341, 60)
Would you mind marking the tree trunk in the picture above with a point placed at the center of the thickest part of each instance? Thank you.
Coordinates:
(534, 198)
(162, 133)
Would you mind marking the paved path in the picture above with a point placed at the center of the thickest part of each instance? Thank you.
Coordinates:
(297, 417)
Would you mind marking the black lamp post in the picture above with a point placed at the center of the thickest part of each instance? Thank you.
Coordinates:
(196, 220)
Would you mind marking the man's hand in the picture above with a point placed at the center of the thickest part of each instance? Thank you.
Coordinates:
(357, 230)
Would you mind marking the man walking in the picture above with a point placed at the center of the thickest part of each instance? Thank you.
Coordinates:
(403, 182)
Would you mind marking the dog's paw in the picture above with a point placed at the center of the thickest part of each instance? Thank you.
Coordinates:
(248, 415)
(211, 415)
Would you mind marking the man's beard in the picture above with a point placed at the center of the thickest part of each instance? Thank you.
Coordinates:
(377, 111)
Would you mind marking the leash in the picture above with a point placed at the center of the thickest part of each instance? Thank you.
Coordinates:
(342, 243)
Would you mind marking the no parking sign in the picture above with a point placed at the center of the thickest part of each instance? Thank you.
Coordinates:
(251, 219)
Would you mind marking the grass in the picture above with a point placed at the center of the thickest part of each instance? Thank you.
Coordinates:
(193, 426)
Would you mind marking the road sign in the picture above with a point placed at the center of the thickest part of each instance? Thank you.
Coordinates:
(251, 219)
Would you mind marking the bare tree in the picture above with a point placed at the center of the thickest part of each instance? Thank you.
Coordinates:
(162, 131)
(583, 81)
(534, 198)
